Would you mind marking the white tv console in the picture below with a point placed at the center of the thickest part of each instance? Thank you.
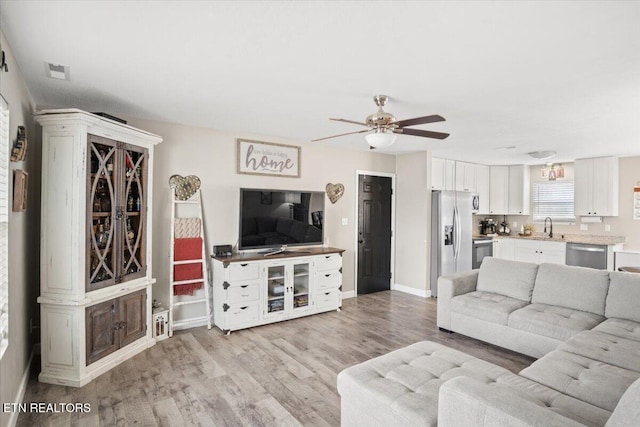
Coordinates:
(251, 290)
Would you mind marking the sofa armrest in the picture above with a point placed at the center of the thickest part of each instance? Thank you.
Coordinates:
(450, 286)
(465, 402)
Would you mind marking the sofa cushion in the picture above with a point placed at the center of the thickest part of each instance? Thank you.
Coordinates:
(487, 306)
(597, 383)
(623, 297)
(627, 412)
(552, 321)
(620, 328)
(606, 348)
(579, 288)
(511, 278)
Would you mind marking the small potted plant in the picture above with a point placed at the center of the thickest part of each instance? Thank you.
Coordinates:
(529, 229)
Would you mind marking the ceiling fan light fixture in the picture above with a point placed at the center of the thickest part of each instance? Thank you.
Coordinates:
(542, 155)
(380, 139)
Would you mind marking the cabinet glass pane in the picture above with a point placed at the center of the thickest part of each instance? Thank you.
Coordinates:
(275, 288)
(134, 198)
(102, 199)
(300, 285)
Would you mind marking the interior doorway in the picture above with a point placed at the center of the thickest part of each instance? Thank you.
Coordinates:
(374, 232)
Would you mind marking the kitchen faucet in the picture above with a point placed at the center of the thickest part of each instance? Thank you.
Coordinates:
(550, 226)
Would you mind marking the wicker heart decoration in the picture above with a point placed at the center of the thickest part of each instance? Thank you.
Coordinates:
(184, 186)
(334, 191)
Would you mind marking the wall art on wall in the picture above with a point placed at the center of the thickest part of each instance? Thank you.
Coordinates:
(20, 181)
(265, 158)
(334, 192)
(636, 202)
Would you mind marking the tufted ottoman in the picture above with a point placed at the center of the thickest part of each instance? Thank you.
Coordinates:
(401, 387)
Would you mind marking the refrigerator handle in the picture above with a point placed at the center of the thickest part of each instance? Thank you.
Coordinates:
(456, 232)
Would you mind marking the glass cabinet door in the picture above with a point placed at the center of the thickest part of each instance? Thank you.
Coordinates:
(134, 208)
(101, 207)
(116, 212)
(276, 287)
(300, 286)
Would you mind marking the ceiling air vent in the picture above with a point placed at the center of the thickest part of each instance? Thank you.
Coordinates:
(57, 71)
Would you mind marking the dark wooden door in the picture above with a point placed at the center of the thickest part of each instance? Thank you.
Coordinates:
(374, 234)
(102, 338)
(132, 317)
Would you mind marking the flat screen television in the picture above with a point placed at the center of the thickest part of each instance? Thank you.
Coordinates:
(276, 218)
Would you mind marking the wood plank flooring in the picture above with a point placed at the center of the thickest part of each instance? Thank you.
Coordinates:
(282, 374)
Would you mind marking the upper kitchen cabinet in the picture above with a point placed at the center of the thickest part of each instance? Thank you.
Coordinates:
(596, 186)
(443, 174)
(498, 190)
(465, 177)
(482, 188)
(509, 190)
(519, 190)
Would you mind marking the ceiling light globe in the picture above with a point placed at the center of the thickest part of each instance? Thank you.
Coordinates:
(380, 139)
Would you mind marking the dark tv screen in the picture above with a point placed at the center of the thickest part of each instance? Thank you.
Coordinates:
(275, 218)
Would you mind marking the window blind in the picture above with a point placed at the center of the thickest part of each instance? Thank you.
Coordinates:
(553, 199)
(4, 226)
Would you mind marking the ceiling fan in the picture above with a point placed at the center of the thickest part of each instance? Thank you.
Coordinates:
(382, 127)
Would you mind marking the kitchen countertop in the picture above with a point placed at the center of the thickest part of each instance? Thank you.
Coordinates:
(590, 239)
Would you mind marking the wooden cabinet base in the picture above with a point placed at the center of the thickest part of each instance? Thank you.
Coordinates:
(75, 378)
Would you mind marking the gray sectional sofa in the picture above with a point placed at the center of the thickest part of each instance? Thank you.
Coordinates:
(582, 324)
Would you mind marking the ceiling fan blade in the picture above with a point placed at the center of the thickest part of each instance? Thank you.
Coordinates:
(420, 120)
(350, 121)
(420, 132)
(342, 134)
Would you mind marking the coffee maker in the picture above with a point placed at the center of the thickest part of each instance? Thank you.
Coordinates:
(487, 226)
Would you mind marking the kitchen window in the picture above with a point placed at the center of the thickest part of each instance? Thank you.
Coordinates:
(4, 226)
(553, 199)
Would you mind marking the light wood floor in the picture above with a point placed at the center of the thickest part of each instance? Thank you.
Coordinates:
(274, 375)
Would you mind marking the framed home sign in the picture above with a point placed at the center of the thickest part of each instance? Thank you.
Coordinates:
(20, 181)
(266, 158)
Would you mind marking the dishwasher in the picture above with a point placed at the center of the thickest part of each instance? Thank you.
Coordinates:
(584, 255)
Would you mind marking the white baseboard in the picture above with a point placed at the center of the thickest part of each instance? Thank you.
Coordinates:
(13, 418)
(348, 294)
(413, 291)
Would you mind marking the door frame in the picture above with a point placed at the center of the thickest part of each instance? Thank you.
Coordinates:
(355, 225)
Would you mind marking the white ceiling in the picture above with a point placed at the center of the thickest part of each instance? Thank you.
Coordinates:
(561, 76)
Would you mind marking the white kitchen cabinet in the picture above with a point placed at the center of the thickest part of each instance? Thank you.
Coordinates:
(465, 177)
(504, 248)
(538, 251)
(482, 188)
(596, 186)
(519, 190)
(95, 257)
(498, 190)
(509, 190)
(249, 290)
(443, 174)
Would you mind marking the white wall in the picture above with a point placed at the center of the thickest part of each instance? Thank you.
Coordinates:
(24, 239)
(211, 155)
(412, 222)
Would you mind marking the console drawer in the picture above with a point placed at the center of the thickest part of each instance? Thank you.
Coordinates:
(328, 279)
(243, 293)
(329, 262)
(329, 299)
(239, 272)
(240, 315)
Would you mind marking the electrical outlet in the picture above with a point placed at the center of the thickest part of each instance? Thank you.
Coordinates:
(345, 221)
(607, 227)
(584, 227)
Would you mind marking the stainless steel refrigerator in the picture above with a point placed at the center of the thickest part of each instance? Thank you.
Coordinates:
(451, 242)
